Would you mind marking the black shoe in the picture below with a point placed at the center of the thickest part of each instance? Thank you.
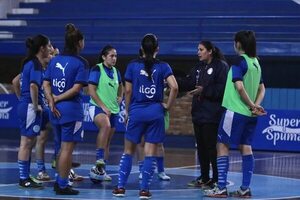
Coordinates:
(66, 191)
(75, 164)
(29, 183)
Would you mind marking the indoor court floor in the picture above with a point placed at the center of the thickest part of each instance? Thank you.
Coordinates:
(276, 175)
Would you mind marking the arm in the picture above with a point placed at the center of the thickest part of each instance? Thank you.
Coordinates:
(49, 97)
(34, 92)
(242, 92)
(128, 93)
(260, 94)
(17, 86)
(173, 91)
(92, 92)
(75, 90)
(120, 93)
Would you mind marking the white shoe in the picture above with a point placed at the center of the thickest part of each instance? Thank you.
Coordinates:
(43, 176)
(163, 176)
(141, 176)
(107, 177)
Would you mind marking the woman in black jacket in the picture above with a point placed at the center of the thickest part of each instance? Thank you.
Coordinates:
(206, 82)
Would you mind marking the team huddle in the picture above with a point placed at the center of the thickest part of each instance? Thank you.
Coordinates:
(50, 89)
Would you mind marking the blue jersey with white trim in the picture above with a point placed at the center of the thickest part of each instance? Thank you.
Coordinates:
(145, 90)
(31, 73)
(63, 72)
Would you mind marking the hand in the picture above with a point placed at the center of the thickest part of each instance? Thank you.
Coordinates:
(107, 112)
(54, 110)
(119, 100)
(38, 108)
(196, 91)
(258, 110)
(166, 108)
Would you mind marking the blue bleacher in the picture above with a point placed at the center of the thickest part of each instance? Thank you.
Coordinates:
(179, 25)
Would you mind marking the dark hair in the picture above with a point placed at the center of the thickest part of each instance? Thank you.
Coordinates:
(72, 38)
(104, 52)
(149, 45)
(247, 41)
(216, 52)
(33, 46)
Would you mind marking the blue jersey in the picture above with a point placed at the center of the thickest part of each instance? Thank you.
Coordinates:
(95, 74)
(63, 72)
(147, 91)
(32, 73)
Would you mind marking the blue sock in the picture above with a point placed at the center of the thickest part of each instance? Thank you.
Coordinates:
(141, 164)
(160, 164)
(125, 169)
(23, 169)
(247, 166)
(62, 182)
(148, 171)
(41, 165)
(99, 154)
(223, 165)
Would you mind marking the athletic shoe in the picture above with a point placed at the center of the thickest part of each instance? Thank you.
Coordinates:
(66, 191)
(100, 163)
(163, 176)
(75, 177)
(107, 177)
(145, 194)
(96, 174)
(43, 176)
(119, 192)
(241, 193)
(216, 193)
(29, 183)
(198, 182)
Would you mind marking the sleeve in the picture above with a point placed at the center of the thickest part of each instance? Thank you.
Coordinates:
(94, 75)
(239, 69)
(215, 90)
(36, 75)
(129, 73)
(82, 75)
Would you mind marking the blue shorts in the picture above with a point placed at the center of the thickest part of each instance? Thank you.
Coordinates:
(236, 129)
(153, 131)
(30, 121)
(70, 132)
(45, 118)
(95, 110)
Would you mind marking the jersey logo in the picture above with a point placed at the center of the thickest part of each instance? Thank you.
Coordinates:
(59, 66)
(144, 73)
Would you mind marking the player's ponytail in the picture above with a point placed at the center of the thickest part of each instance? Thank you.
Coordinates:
(149, 47)
(72, 38)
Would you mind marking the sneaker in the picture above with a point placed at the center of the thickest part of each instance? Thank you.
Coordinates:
(198, 182)
(43, 176)
(97, 174)
(100, 163)
(119, 192)
(66, 191)
(75, 177)
(107, 177)
(216, 192)
(145, 194)
(241, 193)
(29, 183)
(163, 176)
